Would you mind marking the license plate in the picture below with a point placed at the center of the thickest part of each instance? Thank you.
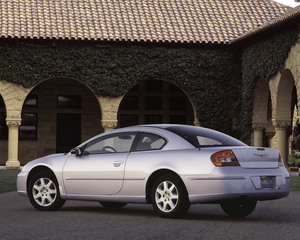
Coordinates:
(267, 182)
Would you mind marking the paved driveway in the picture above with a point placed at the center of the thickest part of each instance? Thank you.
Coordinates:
(278, 219)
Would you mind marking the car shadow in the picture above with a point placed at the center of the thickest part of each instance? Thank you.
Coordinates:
(220, 217)
(147, 210)
(127, 210)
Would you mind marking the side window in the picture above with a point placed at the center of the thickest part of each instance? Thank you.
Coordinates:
(115, 143)
(205, 141)
(149, 141)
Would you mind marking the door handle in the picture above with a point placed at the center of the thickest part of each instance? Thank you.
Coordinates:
(118, 163)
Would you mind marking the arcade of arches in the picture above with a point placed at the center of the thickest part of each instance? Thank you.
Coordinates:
(57, 114)
(276, 114)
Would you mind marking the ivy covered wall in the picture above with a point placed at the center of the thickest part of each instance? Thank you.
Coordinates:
(210, 76)
(220, 80)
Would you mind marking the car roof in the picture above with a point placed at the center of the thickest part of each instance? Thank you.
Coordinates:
(164, 126)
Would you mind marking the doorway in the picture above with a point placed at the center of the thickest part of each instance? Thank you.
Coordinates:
(68, 131)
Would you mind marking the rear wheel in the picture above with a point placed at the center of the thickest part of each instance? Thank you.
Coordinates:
(43, 192)
(169, 197)
(113, 205)
(239, 208)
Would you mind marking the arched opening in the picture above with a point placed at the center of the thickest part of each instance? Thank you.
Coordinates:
(3, 132)
(261, 122)
(284, 96)
(294, 130)
(57, 115)
(270, 129)
(285, 104)
(155, 101)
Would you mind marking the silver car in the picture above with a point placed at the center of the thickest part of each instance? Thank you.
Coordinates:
(168, 166)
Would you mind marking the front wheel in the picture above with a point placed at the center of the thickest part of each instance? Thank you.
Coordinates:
(169, 197)
(238, 208)
(43, 192)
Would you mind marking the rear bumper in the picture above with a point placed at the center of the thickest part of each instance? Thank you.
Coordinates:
(236, 182)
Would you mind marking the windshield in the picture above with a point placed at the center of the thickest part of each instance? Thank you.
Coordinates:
(203, 137)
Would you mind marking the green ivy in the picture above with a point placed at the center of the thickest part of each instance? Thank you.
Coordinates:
(209, 75)
(222, 96)
(263, 59)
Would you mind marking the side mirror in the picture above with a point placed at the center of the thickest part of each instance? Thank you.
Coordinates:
(76, 151)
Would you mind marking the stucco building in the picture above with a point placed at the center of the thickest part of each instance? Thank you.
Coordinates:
(71, 69)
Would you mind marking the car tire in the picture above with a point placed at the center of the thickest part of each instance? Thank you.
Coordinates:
(113, 205)
(169, 197)
(43, 192)
(239, 208)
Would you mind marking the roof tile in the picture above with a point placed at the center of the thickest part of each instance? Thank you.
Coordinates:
(204, 21)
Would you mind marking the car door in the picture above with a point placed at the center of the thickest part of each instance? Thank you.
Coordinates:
(100, 168)
(144, 157)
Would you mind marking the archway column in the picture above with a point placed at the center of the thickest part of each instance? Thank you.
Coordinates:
(109, 125)
(13, 96)
(280, 128)
(270, 137)
(13, 143)
(258, 134)
(196, 122)
(109, 110)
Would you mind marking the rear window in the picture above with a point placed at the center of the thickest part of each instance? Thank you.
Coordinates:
(149, 142)
(203, 137)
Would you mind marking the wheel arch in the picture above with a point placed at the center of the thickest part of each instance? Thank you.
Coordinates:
(154, 176)
(35, 170)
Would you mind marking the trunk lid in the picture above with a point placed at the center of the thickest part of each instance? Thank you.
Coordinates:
(257, 157)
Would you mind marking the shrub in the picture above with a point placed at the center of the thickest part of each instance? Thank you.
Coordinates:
(295, 160)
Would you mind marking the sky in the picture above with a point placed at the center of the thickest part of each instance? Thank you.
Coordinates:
(290, 3)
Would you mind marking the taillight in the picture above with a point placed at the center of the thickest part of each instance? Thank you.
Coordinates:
(280, 161)
(224, 158)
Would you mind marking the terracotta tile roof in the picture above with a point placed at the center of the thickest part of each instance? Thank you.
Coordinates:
(204, 21)
(291, 15)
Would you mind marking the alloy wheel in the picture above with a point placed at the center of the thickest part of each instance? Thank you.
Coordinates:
(44, 192)
(166, 196)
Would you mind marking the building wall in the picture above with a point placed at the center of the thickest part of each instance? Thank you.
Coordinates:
(209, 76)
